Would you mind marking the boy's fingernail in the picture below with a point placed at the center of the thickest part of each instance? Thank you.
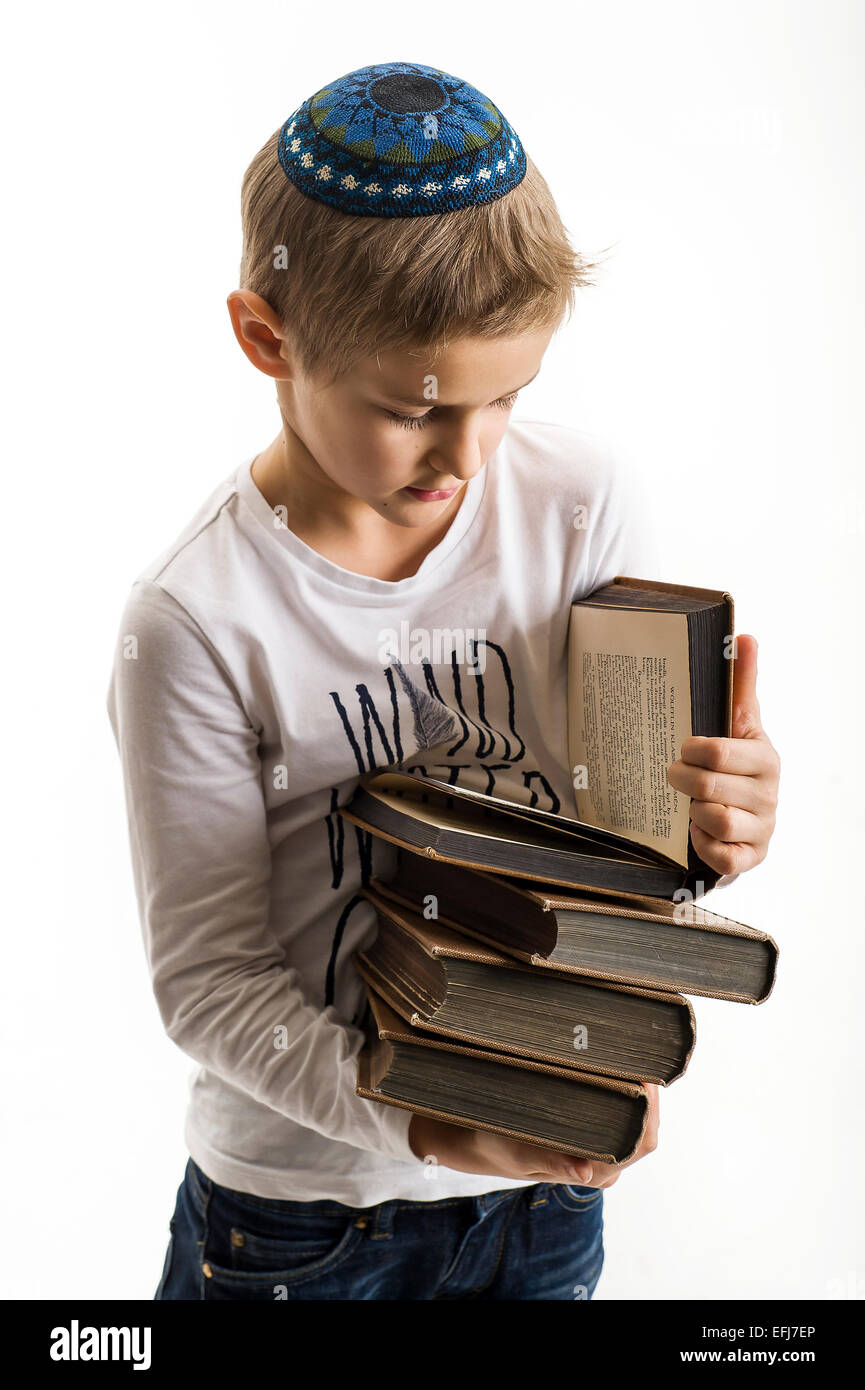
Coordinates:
(583, 1175)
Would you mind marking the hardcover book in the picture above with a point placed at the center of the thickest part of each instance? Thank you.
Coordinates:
(443, 983)
(554, 1107)
(679, 947)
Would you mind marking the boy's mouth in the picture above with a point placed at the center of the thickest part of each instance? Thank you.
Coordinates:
(439, 495)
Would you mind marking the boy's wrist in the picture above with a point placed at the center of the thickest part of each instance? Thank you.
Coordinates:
(417, 1136)
(427, 1137)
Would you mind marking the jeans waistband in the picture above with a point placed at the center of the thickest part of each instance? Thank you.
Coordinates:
(201, 1189)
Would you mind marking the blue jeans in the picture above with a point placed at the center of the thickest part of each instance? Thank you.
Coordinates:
(538, 1242)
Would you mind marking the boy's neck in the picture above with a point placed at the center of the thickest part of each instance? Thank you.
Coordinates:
(354, 537)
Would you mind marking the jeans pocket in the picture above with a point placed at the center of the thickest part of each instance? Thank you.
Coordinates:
(305, 1251)
(573, 1197)
(258, 1244)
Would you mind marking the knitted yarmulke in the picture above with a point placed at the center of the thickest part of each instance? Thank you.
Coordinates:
(400, 140)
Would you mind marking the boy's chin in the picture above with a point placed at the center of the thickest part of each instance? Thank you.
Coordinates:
(404, 510)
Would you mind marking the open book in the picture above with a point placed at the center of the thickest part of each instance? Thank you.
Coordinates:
(649, 664)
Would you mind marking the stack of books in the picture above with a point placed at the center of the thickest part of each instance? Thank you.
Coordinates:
(530, 969)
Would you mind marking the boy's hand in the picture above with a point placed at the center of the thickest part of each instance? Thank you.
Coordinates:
(479, 1151)
(733, 782)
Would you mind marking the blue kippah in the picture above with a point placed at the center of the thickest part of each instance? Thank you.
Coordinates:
(400, 140)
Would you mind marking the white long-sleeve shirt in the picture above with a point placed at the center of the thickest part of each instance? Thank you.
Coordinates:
(251, 687)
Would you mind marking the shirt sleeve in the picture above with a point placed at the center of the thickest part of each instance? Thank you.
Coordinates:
(201, 864)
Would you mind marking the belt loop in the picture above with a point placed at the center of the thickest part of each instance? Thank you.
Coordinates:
(382, 1226)
(199, 1185)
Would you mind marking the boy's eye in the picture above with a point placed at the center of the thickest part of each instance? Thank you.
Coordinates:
(417, 422)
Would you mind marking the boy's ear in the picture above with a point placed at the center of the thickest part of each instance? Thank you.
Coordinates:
(259, 331)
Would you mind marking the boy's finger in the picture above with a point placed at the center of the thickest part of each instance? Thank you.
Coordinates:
(548, 1165)
(727, 789)
(725, 858)
(649, 1140)
(654, 1106)
(748, 757)
(727, 823)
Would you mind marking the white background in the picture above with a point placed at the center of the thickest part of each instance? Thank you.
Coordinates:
(716, 149)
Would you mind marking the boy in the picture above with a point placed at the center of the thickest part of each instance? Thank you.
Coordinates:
(404, 268)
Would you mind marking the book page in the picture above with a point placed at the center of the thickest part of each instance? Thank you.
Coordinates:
(629, 711)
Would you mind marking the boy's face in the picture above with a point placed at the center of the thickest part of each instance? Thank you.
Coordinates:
(451, 413)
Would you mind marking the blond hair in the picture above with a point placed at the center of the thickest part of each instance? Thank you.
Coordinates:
(347, 287)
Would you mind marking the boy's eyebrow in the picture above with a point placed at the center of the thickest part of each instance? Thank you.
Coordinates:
(412, 400)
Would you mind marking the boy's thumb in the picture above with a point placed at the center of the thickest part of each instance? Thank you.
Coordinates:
(746, 707)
